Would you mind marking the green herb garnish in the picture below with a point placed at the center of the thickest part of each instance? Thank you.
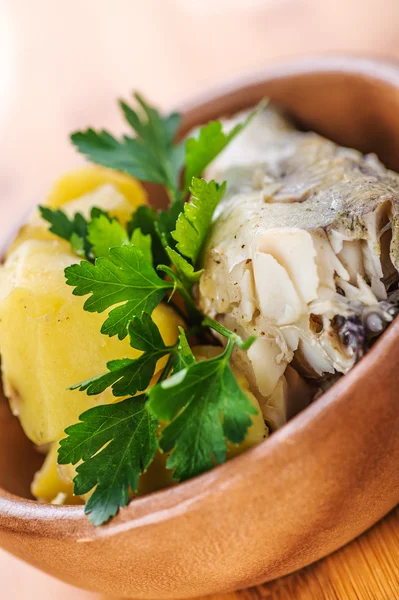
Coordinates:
(204, 406)
(211, 140)
(128, 376)
(193, 222)
(116, 442)
(150, 156)
(104, 233)
(125, 276)
(72, 230)
(128, 272)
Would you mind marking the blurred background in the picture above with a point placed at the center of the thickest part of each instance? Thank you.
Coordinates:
(63, 63)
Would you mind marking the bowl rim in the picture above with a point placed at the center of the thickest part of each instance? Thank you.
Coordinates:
(383, 69)
(26, 515)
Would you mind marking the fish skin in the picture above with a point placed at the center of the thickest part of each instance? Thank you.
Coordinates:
(299, 179)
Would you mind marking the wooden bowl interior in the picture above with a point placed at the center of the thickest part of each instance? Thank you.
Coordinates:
(18, 458)
(353, 109)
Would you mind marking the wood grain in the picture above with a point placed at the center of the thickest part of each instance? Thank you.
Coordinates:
(366, 569)
(61, 66)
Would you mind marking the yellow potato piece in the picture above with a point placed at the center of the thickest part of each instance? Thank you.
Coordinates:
(61, 343)
(36, 229)
(80, 191)
(48, 342)
(76, 183)
(49, 486)
(258, 430)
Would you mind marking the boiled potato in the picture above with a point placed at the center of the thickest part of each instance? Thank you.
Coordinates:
(36, 229)
(49, 486)
(79, 191)
(87, 179)
(62, 344)
(48, 342)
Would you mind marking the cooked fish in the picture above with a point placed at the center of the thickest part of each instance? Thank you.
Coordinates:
(304, 253)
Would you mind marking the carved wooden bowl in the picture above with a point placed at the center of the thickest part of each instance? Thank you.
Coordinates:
(320, 481)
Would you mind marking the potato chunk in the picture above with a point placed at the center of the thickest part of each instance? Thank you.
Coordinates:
(48, 342)
(78, 191)
(87, 179)
(49, 486)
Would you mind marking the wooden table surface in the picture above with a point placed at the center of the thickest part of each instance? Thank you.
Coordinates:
(62, 64)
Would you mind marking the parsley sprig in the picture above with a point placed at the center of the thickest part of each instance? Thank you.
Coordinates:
(73, 230)
(149, 156)
(154, 154)
(195, 408)
(192, 224)
(116, 442)
(128, 376)
(204, 406)
(202, 403)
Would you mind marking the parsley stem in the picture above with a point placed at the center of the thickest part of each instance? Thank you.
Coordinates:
(227, 333)
(228, 351)
(193, 313)
(166, 369)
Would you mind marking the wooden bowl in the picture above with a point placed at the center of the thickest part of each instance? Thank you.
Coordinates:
(315, 485)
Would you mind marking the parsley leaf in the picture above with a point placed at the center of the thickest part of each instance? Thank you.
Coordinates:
(157, 135)
(104, 234)
(193, 223)
(204, 406)
(143, 243)
(184, 269)
(154, 129)
(76, 229)
(73, 230)
(191, 228)
(128, 376)
(144, 219)
(124, 276)
(183, 357)
(150, 156)
(122, 155)
(211, 140)
(166, 223)
(117, 442)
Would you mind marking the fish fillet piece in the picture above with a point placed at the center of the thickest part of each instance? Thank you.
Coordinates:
(304, 253)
